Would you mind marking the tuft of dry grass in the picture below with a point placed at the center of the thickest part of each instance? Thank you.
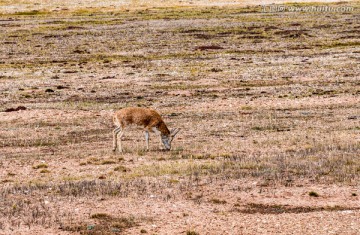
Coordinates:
(217, 201)
(40, 166)
(105, 224)
(253, 208)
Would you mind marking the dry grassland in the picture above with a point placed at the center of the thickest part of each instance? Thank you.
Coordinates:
(268, 104)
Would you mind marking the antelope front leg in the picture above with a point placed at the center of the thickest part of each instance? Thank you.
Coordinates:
(160, 143)
(147, 140)
(115, 132)
(120, 135)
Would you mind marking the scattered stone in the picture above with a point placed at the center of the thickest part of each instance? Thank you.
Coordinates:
(49, 90)
(108, 77)
(215, 70)
(60, 87)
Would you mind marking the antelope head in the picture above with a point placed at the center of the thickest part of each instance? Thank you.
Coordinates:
(167, 139)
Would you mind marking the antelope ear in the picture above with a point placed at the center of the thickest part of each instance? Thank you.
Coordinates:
(174, 132)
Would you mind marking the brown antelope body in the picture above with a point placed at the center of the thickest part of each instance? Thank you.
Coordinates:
(149, 119)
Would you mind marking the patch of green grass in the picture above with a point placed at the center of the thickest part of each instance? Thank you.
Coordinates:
(177, 168)
(340, 44)
(86, 12)
(78, 24)
(246, 107)
(31, 13)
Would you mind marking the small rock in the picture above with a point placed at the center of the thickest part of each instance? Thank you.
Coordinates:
(108, 77)
(60, 87)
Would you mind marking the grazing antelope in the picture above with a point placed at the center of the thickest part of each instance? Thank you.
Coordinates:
(144, 117)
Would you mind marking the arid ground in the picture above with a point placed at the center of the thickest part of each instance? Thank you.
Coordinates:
(268, 104)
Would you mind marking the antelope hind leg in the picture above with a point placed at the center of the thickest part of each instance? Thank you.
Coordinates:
(115, 132)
